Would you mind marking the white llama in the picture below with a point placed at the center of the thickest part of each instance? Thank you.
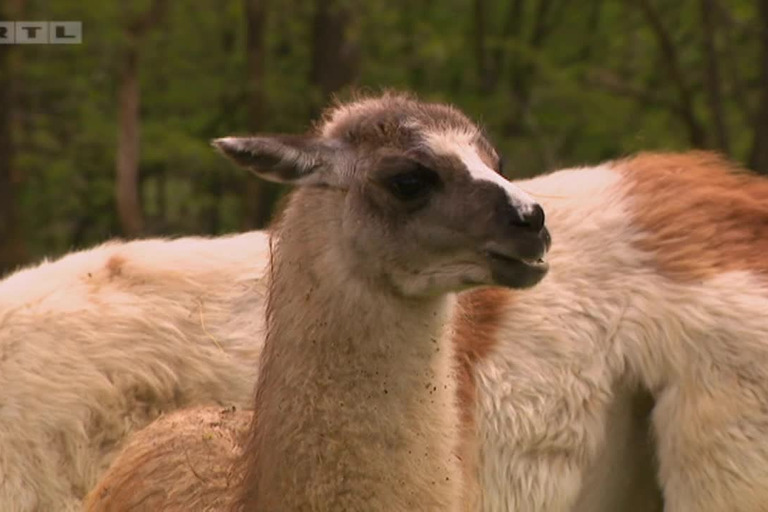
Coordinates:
(99, 343)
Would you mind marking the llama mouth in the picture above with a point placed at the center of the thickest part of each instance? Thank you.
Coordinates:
(516, 271)
(534, 263)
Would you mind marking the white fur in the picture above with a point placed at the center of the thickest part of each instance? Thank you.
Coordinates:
(99, 343)
(537, 436)
(461, 145)
(603, 321)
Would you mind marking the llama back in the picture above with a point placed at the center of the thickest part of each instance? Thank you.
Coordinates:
(185, 458)
(99, 343)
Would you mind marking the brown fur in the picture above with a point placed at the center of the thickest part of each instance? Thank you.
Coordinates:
(700, 215)
(115, 266)
(477, 318)
(379, 123)
(201, 444)
(193, 447)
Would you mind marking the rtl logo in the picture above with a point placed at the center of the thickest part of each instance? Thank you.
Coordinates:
(41, 32)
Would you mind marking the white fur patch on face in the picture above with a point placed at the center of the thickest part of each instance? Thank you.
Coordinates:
(461, 144)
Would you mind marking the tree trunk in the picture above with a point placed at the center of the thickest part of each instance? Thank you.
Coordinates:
(335, 59)
(259, 195)
(758, 159)
(128, 141)
(128, 201)
(12, 247)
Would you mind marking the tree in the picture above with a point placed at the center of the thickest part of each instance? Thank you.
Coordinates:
(12, 250)
(712, 78)
(259, 195)
(129, 98)
(758, 158)
(335, 57)
(671, 59)
(554, 83)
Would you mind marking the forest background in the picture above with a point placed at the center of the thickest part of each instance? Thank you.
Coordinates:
(109, 138)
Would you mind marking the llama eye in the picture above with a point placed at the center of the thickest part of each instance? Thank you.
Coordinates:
(415, 184)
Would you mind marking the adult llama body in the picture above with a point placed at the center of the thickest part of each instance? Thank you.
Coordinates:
(101, 342)
(658, 287)
(398, 206)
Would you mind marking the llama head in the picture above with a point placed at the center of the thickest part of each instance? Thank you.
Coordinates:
(415, 197)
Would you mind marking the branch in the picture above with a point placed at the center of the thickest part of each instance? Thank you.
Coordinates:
(672, 62)
(609, 82)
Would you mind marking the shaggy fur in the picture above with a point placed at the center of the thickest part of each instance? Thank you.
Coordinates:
(99, 343)
(191, 453)
(659, 283)
(204, 443)
(356, 404)
(563, 377)
(335, 394)
(656, 300)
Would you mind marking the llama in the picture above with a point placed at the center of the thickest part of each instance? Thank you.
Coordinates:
(655, 300)
(658, 285)
(99, 343)
(355, 407)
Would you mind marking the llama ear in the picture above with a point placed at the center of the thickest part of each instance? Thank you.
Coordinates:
(294, 159)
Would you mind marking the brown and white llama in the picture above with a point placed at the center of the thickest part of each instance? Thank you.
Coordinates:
(658, 285)
(99, 343)
(356, 396)
(656, 300)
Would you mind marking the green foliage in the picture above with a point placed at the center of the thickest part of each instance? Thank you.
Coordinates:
(593, 86)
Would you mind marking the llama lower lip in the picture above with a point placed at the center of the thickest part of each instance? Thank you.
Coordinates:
(515, 272)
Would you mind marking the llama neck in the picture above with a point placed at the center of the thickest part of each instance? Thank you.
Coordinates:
(355, 404)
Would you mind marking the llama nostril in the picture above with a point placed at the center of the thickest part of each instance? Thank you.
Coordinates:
(536, 217)
(532, 218)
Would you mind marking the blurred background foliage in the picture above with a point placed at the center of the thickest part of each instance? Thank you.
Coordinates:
(110, 138)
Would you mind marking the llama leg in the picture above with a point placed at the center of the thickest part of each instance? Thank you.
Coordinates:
(623, 474)
(713, 450)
